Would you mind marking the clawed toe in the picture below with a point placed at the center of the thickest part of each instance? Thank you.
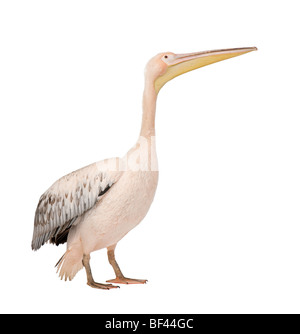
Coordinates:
(125, 280)
(102, 286)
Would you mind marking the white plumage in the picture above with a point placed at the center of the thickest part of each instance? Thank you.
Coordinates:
(96, 206)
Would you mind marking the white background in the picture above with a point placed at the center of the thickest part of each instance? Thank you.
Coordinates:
(222, 235)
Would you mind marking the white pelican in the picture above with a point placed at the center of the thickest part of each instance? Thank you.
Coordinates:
(96, 206)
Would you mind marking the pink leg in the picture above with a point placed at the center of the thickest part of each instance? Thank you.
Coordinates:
(120, 278)
(90, 280)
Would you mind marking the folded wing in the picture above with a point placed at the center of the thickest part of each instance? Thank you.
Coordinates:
(66, 200)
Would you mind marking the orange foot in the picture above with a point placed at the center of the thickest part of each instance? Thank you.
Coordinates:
(125, 280)
(102, 286)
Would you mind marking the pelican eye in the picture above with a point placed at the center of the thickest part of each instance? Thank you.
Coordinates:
(166, 56)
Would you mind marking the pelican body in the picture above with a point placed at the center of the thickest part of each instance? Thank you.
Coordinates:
(96, 206)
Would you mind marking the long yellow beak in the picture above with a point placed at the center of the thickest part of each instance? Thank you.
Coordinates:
(182, 63)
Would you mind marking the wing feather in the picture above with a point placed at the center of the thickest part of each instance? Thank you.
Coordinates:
(66, 200)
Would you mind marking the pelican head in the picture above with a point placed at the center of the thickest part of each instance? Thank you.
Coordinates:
(166, 66)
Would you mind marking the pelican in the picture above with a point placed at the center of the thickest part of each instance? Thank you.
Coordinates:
(96, 206)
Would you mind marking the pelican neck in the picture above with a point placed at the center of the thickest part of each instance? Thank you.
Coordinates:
(149, 110)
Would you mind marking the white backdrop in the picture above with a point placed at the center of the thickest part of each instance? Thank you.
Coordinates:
(222, 235)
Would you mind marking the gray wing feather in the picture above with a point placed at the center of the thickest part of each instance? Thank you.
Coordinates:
(66, 200)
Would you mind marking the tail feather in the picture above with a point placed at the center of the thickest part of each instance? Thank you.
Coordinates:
(69, 264)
